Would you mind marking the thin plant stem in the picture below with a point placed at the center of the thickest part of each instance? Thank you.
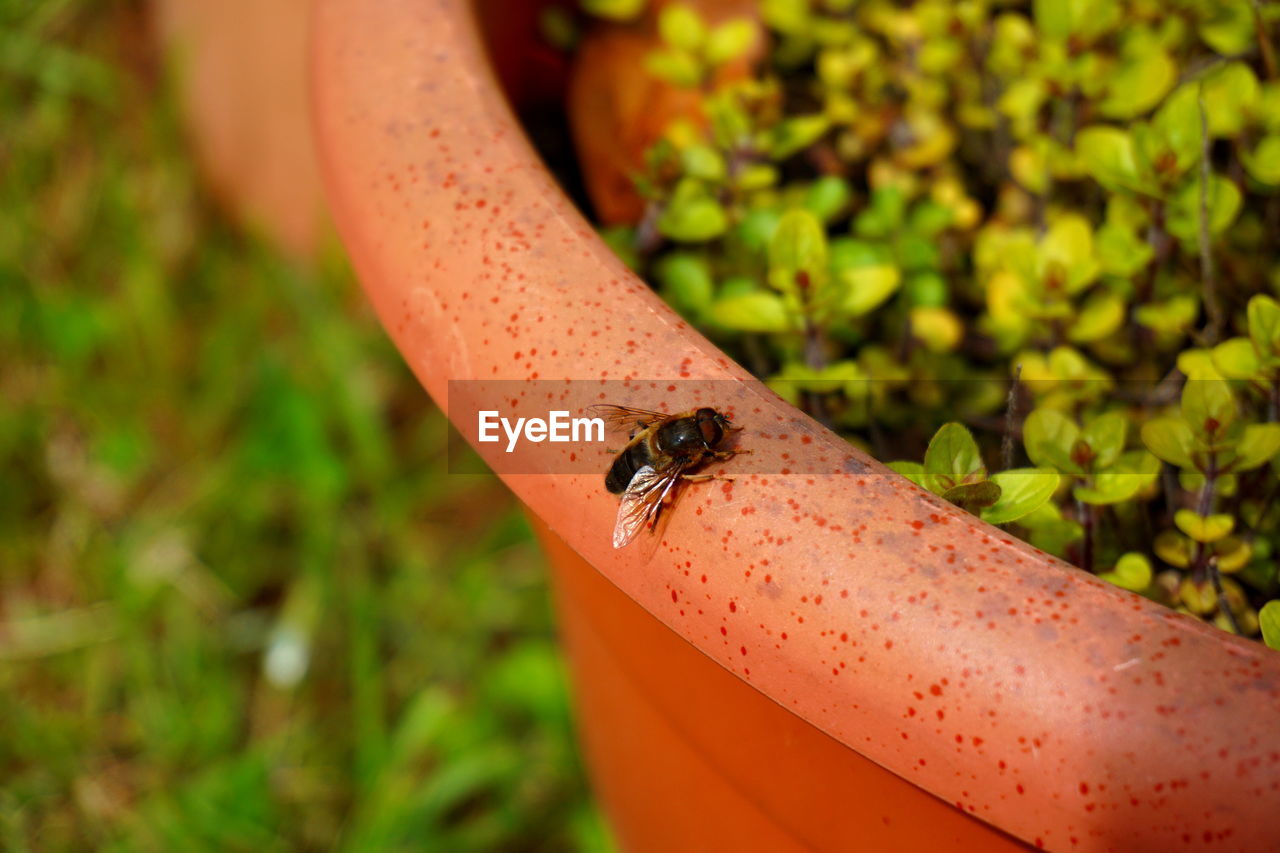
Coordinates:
(1010, 419)
(1204, 508)
(1087, 522)
(1207, 273)
(1264, 43)
(1223, 607)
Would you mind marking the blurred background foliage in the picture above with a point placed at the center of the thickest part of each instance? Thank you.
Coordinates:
(242, 607)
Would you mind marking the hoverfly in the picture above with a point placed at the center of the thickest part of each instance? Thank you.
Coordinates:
(663, 450)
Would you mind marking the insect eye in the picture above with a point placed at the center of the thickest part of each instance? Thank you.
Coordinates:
(710, 429)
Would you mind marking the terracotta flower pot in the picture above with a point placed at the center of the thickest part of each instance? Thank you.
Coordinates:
(240, 68)
(830, 660)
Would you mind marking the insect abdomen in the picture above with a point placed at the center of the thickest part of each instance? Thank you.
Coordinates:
(624, 468)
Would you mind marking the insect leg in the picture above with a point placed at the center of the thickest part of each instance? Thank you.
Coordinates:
(702, 478)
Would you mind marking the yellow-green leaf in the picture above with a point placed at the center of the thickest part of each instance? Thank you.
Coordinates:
(614, 10)
(1049, 437)
(1204, 528)
(729, 40)
(1132, 572)
(1174, 548)
(1105, 436)
(913, 471)
(1224, 199)
(867, 287)
(798, 252)
(1269, 621)
(1170, 439)
(1101, 315)
(1143, 78)
(1121, 251)
(952, 458)
(1258, 444)
(681, 27)
(693, 218)
(1236, 358)
(752, 312)
(1022, 491)
(1264, 324)
(1108, 155)
(1067, 251)
(1198, 597)
(1208, 406)
(938, 328)
(794, 134)
(1229, 93)
(1232, 554)
(1263, 162)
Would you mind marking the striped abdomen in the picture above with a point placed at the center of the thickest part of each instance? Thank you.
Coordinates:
(624, 468)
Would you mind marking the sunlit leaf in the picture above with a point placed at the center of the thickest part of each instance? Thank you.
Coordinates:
(868, 287)
(677, 67)
(913, 471)
(616, 10)
(1121, 252)
(795, 134)
(1236, 358)
(1107, 153)
(686, 281)
(1174, 548)
(1263, 161)
(1269, 621)
(1264, 323)
(752, 312)
(1208, 405)
(952, 458)
(1258, 444)
(1223, 203)
(1198, 596)
(729, 41)
(1105, 436)
(1204, 528)
(1101, 315)
(693, 218)
(1170, 439)
(938, 328)
(798, 253)
(1022, 491)
(1049, 437)
(1132, 572)
(1229, 93)
(1143, 78)
(680, 26)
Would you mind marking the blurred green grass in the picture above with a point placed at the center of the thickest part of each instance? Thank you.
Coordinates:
(242, 606)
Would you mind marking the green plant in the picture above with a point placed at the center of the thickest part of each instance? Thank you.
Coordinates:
(1040, 220)
(242, 604)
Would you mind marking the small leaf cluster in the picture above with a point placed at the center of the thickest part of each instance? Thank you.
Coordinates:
(692, 51)
(953, 468)
(1044, 234)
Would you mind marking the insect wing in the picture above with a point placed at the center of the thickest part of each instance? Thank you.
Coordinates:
(642, 501)
(626, 418)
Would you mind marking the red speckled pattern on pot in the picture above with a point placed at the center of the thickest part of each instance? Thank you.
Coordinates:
(1029, 694)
